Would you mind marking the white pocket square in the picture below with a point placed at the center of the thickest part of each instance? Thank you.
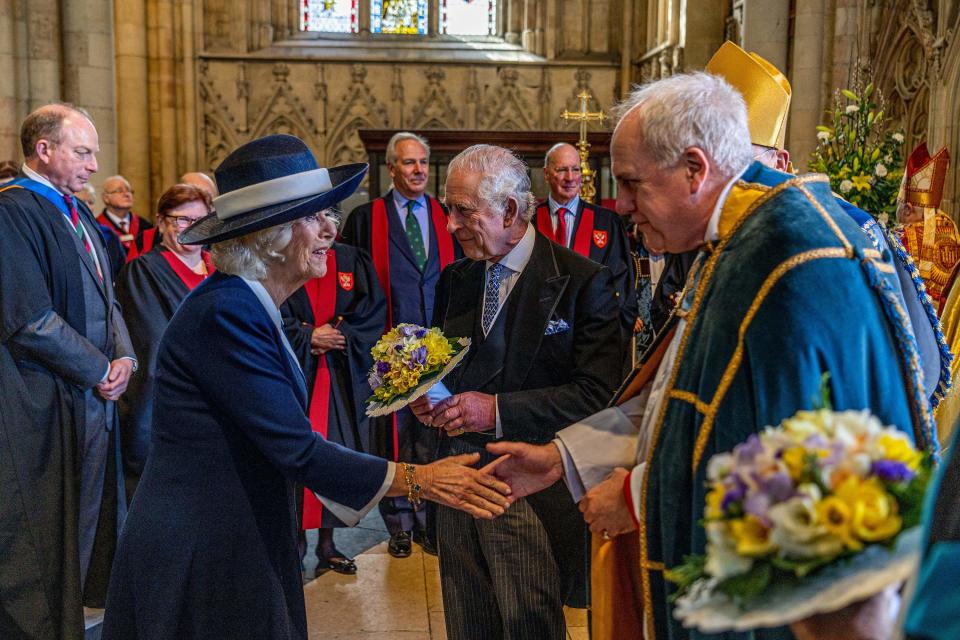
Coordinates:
(556, 326)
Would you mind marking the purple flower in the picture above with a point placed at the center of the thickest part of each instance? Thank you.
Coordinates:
(382, 367)
(408, 330)
(746, 452)
(777, 486)
(374, 381)
(420, 333)
(758, 504)
(892, 471)
(418, 356)
(734, 491)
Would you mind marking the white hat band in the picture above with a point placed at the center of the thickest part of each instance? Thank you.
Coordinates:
(272, 192)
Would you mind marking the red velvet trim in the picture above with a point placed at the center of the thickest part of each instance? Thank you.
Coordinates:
(628, 497)
(322, 293)
(444, 239)
(380, 250)
(187, 276)
(581, 243)
(544, 224)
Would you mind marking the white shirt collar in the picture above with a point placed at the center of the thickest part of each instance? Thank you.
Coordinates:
(713, 225)
(33, 175)
(117, 220)
(573, 205)
(272, 310)
(519, 256)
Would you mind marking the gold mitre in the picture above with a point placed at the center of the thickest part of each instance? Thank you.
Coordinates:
(924, 176)
(765, 90)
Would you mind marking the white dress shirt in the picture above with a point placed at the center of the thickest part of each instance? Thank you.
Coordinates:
(345, 514)
(619, 436)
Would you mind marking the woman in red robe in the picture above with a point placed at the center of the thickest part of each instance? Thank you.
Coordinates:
(150, 289)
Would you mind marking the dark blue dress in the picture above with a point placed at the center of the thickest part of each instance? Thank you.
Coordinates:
(209, 547)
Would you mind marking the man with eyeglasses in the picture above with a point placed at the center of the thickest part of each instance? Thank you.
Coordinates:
(590, 230)
(118, 215)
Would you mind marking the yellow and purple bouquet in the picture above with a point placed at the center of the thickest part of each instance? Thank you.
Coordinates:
(407, 361)
(816, 491)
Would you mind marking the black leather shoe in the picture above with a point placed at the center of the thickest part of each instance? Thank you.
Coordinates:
(399, 546)
(339, 564)
(428, 545)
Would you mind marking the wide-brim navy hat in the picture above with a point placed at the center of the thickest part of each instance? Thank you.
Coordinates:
(270, 181)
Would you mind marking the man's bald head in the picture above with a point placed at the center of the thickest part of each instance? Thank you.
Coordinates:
(200, 180)
(562, 172)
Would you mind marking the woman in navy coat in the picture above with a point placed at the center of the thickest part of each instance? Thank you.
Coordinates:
(209, 549)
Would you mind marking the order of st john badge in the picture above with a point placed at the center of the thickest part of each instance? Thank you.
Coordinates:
(600, 239)
(345, 279)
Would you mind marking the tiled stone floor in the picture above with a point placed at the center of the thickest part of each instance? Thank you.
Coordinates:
(389, 598)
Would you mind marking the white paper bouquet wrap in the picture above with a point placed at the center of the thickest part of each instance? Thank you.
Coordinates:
(804, 518)
(407, 361)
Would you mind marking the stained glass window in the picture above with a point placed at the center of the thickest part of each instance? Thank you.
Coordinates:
(398, 16)
(331, 16)
(468, 17)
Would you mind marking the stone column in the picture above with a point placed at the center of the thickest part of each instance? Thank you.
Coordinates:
(527, 37)
(809, 80)
(43, 52)
(765, 30)
(161, 80)
(513, 10)
(133, 110)
(12, 108)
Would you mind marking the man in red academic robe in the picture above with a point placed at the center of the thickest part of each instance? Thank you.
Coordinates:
(405, 234)
(118, 215)
(588, 229)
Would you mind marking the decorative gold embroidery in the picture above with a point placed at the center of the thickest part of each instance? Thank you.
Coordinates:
(727, 379)
(828, 219)
(655, 566)
(692, 398)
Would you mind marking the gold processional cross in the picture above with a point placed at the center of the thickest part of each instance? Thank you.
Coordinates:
(588, 190)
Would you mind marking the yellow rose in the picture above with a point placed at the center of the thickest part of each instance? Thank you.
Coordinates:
(794, 458)
(836, 517)
(896, 447)
(752, 537)
(874, 516)
(714, 500)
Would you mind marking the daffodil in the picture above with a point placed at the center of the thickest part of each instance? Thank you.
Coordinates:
(714, 500)
(898, 448)
(795, 459)
(752, 537)
(835, 516)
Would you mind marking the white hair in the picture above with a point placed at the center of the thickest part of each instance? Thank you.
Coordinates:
(692, 110)
(250, 256)
(503, 176)
(399, 137)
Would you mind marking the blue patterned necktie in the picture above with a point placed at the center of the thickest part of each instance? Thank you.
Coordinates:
(415, 236)
(491, 299)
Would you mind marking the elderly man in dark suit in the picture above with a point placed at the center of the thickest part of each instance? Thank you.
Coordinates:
(65, 358)
(545, 353)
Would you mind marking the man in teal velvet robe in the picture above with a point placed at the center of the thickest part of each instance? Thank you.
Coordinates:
(786, 288)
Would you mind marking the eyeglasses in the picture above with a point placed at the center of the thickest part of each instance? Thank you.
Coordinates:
(182, 222)
(120, 190)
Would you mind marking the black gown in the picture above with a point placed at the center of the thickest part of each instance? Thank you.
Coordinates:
(362, 305)
(149, 291)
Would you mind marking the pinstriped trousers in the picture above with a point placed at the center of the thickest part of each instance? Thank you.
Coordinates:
(499, 578)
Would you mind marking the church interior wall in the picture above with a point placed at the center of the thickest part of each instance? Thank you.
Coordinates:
(180, 83)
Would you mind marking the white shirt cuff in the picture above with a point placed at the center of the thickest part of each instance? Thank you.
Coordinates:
(351, 517)
(570, 475)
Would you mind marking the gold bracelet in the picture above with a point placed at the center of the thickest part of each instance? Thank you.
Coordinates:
(413, 487)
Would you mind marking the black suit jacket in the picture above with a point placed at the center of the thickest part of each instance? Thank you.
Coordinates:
(547, 381)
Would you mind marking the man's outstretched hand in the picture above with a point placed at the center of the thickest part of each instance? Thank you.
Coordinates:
(527, 468)
(455, 483)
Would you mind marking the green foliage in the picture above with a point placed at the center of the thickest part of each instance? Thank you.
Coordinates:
(686, 573)
(861, 153)
(745, 587)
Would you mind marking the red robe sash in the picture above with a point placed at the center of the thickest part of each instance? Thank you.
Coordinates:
(322, 293)
(149, 239)
(583, 236)
(187, 276)
(126, 239)
(380, 248)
